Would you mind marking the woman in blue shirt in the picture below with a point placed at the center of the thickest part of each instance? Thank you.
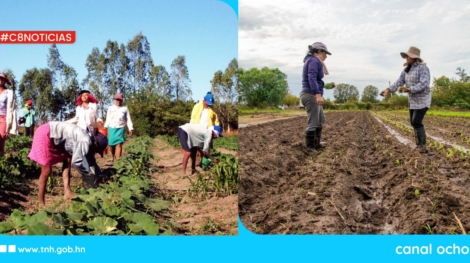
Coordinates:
(312, 92)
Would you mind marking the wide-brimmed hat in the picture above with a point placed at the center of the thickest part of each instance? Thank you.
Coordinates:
(413, 52)
(118, 96)
(320, 46)
(5, 77)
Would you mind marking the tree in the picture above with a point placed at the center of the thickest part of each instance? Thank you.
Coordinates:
(224, 85)
(36, 84)
(97, 78)
(114, 71)
(64, 83)
(160, 82)
(12, 78)
(140, 62)
(463, 76)
(265, 87)
(370, 94)
(290, 100)
(224, 88)
(56, 65)
(69, 91)
(345, 92)
(180, 79)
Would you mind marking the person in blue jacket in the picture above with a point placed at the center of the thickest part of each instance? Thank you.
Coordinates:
(312, 94)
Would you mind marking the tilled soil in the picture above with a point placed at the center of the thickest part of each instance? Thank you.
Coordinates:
(454, 130)
(365, 181)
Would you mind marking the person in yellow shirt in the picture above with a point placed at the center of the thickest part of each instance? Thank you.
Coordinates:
(203, 113)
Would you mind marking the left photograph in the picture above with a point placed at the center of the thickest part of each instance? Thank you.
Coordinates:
(130, 127)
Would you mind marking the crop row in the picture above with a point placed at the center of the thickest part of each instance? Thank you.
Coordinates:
(124, 205)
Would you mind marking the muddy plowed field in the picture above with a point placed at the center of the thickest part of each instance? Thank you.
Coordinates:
(366, 181)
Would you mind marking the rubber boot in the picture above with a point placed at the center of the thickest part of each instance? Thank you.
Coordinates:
(421, 134)
(318, 143)
(310, 142)
(416, 137)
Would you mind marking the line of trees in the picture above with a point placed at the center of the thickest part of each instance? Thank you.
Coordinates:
(129, 69)
(260, 88)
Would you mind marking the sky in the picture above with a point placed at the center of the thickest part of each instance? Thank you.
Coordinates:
(364, 37)
(204, 31)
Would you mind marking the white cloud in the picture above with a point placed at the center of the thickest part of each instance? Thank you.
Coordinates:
(365, 37)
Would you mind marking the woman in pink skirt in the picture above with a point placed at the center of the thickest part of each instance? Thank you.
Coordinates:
(56, 142)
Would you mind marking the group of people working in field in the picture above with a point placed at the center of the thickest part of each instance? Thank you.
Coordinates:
(75, 142)
(414, 80)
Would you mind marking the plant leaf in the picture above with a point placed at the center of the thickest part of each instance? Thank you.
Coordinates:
(5, 227)
(102, 224)
(157, 204)
(40, 217)
(43, 230)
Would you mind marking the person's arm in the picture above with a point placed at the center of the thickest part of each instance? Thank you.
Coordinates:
(312, 72)
(108, 118)
(394, 87)
(129, 121)
(79, 159)
(74, 120)
(424, 80)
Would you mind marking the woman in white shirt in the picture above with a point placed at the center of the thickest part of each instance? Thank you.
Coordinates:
(116, 119)
(86, 112)
(7, 112)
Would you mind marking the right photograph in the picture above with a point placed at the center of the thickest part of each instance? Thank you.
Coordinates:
(354, 117)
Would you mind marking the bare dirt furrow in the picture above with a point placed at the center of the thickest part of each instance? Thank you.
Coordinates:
(365, 181)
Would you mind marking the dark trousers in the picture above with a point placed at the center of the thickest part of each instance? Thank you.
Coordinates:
(29, 130)
(416, 117)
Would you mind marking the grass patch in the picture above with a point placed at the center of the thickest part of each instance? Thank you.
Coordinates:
(229, 143)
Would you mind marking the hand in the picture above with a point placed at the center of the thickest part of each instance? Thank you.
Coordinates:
(131, 133)
(384, 92)
(319, 99)
(407, 90)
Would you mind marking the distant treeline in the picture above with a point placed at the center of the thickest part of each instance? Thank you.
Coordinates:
(268, 88)
(158, 98)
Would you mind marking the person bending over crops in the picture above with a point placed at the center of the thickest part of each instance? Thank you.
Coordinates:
(312, 92)
(86, 111)
(56, 142)
(8, 124)
(415, 80)
(204, 114)
(116, 119)
(192, 137)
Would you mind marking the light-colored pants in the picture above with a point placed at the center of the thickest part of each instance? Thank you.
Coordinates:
(315, 116)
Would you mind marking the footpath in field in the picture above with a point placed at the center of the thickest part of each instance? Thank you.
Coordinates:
(365, 181)
(145, 196)
(199, 213)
